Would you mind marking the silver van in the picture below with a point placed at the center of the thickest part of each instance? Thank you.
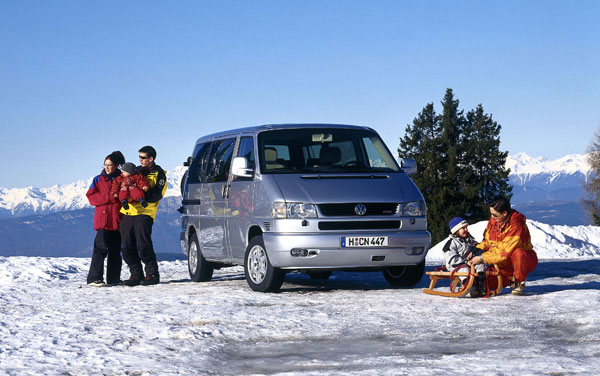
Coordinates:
(307, 197)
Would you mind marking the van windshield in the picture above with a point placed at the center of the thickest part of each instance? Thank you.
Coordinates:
(318, 150)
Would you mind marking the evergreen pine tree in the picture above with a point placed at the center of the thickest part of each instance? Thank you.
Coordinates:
(485, 175)
(592, 186)
(422, 142)
(460, 165)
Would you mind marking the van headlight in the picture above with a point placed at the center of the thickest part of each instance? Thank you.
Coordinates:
(414, 209)
(294, 210)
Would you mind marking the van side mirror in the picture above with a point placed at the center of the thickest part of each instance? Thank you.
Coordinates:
(409, 166)
(188, 161)
(239, 167)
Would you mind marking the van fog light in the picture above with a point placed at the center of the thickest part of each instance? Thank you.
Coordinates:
(303, 252)
(297, 252)
(415, 251)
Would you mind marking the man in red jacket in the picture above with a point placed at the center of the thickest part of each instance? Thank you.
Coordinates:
(507, 242)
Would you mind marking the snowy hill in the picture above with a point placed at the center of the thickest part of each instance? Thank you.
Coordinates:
(549, 241)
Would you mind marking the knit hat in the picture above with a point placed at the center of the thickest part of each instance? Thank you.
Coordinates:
(129, 167)
(456, 224)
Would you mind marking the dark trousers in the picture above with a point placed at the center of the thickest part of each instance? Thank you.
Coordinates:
(136, 244)
(106, 243)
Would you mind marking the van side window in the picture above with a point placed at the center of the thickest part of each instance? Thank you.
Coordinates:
(220, 160)
(246, 150)
(197, 168)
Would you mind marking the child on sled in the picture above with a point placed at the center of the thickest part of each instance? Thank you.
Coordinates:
(130, 186)
(459, 249)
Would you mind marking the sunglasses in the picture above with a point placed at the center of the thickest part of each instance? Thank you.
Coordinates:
(143, 157)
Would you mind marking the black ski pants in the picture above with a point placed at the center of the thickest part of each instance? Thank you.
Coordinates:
(106, 243)
(136, 244)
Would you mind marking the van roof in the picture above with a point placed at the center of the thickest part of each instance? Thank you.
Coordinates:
(268, 127)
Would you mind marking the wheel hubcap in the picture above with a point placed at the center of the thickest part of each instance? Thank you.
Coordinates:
(257, 264)
(193, 258)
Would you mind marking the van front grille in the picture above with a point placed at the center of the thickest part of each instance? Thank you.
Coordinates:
(362, 225)
(347, 209)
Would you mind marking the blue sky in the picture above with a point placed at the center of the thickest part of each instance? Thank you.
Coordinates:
(79, 79)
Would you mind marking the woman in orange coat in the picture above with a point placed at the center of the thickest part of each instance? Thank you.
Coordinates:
(507, 242)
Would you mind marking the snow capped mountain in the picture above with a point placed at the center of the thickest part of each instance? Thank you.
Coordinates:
(523, 164)
(539, 183)
(568, 170)
(30, 200)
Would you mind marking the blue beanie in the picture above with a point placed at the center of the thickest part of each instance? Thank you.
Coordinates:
(456, 224)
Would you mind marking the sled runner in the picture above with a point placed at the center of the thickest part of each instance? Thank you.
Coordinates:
(459, 289)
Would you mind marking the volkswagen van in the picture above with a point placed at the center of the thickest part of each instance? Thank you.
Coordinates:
(313, 198)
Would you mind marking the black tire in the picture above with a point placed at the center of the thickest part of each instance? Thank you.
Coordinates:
(404, 276)
(321, 275)
(261, 276)
(200, 269)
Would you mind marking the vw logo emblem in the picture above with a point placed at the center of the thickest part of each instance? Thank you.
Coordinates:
(360, 209)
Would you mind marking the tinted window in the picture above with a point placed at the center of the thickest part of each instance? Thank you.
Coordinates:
(198, 166)
(220, 160)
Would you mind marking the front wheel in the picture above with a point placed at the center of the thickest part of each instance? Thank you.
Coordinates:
(404, 276)
(260, 274)
(200, 269)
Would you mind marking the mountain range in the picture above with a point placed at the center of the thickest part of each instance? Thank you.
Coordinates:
(549, 191)
(58, 221)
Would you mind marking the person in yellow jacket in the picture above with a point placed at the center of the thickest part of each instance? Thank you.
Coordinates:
(507, 242)
(137, 221)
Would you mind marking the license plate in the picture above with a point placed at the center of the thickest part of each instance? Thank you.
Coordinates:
(364, 241)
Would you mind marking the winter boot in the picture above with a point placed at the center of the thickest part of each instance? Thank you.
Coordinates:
(143, 202)
(125, 204)
(98, 283)
(131, 282)
(153, 279)
(519, 289)
(479, 286)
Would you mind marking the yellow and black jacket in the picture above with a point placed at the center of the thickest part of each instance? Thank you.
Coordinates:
(157, 178)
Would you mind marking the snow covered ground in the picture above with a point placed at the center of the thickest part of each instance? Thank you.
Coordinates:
(51, 323)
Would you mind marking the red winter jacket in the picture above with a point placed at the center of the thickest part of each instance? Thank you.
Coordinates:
(106, 215)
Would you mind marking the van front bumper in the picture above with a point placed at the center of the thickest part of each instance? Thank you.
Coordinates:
(324, 251)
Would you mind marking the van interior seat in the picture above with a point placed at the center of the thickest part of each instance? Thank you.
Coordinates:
(329, 155)
(271, 160)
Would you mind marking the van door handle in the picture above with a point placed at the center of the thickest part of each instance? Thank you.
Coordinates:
(225, 191)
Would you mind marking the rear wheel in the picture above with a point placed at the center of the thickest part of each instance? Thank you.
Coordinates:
(404, 276)
(200, 269)
(260, 274)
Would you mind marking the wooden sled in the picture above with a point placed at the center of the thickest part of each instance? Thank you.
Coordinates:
(457, 288)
